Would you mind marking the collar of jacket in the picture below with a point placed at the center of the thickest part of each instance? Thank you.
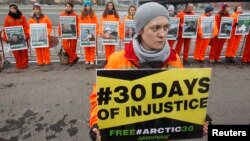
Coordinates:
(130, 54)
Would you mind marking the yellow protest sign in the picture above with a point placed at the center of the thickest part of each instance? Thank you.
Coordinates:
(152, 104)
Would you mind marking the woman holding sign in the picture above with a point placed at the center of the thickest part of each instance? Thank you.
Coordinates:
(186, 41)
(128, 31)
(202, 40)
(16, 18)
(216, 43)
(234, 42)
(42, 53)
(109, 14)
(148, 49)
(69, 43)
(88, 16)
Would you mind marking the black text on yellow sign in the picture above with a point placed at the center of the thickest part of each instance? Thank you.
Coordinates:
(127, 97)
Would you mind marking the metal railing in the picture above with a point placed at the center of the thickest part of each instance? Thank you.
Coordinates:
(100, 53)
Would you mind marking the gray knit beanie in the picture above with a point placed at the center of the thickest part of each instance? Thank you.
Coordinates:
(146, 12)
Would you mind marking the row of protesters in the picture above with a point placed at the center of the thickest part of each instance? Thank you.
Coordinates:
(147, 50)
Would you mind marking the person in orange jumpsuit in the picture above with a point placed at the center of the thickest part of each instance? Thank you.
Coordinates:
(148, 49)
(88, 16)
(187, 11)
(201, 42)
(109, 14)
(130, 16)
(16, 18)
(171, 11)
(69, 45)
(234, 42)
(216, 43)
(246, 52)
(43, 53)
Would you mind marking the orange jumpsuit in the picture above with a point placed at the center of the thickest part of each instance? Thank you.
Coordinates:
(202, 43)
(122, 27)
(181, 40)
(42, 54)
(109, 49)
(126, 59)
(69, 45)
(216, 43)
(21, 56)
(234, 41)
(246, 52)
(89, 51)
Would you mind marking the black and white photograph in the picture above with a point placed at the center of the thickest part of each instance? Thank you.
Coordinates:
(225, 28)
(16, 38)
(243, 24)
(129, 30)
(68, 27)
(207, 25)
(110, 33)
(173, 29)
(39, 35)
(88, 35)
(190, 26)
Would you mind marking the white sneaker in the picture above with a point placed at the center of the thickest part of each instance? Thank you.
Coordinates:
(92, 63)
(86, 63)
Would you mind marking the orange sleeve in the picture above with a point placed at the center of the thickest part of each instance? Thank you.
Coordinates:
(25, 27)
(49, 25)
(93, 107)
(96, 23)
(199, 32)
(77, 29)
(177, 63)
(79, 26)
(101, 26)
(6, 24)
(122, 29)
(59, 27)
(215, 31)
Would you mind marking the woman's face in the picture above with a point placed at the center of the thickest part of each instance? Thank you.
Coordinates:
(36, 10)
(13, 9)
(154, 33)
(130, 31)
(132, 11)
(110, 6)
(68, 7)
(88, 7)
(239, 9)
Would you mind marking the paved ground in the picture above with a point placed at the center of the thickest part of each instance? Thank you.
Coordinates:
(51, 103)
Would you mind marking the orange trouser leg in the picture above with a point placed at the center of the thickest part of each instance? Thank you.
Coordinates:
(87, 54)
(46, 56)
(203, 49)
(69, 46)
(109, 49)
(21, 57)
(216, 48)
(230, 45)
(18, 58)
(92, 54)
(198, 49)
(126, 44)
(39, 56)
(246, 52)
(186, 48)
(171, 43)
(236, 45)
(179, 45)
(219, 48)
(25, 58)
